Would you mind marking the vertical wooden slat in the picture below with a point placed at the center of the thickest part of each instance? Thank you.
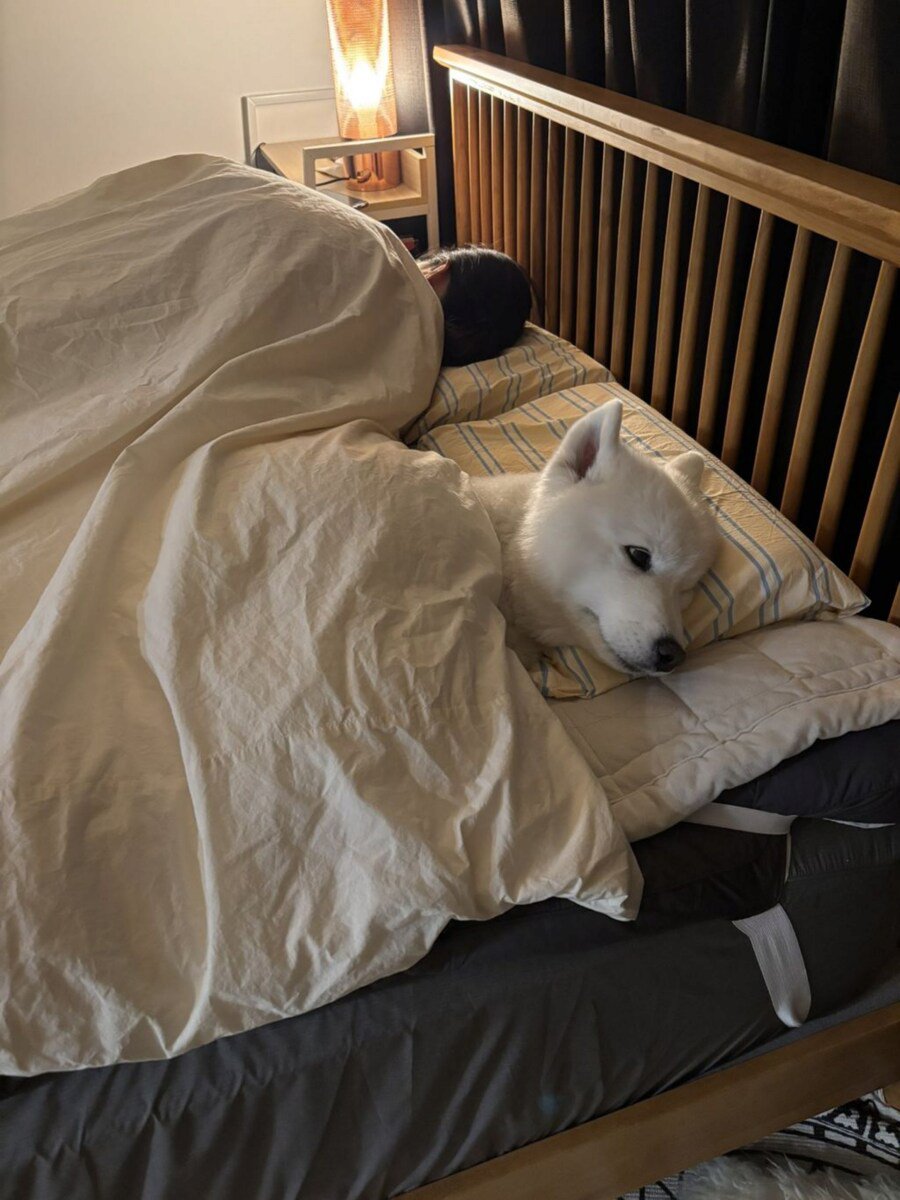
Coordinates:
(538, 198)
(460, 121)
(622, 288)
(567, 240)
(687, 341)
(496, 174)
(855, 409)
(811, 400)
(718, 325)
(746, 343)
(781, 361)
(509, 178)
(528, 193)
(603, 291)
(643, 290)
(484, 165)
(551, 241)
(523, 143)
(585, 248)
(474, 190)
(877, 509)
(662, 359)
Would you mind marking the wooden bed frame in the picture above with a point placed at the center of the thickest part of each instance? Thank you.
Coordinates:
(546, 168)
(689, 1124)
(572, 180)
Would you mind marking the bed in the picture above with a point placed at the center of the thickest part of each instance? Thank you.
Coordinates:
(490, 1053)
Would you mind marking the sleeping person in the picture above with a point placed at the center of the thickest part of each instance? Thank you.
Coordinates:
(486, 298)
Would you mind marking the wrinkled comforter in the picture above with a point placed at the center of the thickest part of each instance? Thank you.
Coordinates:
(259, 735)
(260, 738)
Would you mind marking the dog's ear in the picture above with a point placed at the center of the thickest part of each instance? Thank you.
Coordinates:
(590, 445)
(688, 467)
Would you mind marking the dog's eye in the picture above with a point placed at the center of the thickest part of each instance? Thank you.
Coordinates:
(640, 556)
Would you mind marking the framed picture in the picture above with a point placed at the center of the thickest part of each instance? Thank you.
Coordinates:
(287, 116)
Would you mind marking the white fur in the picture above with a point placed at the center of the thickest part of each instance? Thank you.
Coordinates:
(567, 577)
(737, 1178)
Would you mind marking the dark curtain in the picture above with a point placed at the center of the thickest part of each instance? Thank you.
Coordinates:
(408, 58)
(820, 76)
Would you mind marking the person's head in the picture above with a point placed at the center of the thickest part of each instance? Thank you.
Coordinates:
(486, 298)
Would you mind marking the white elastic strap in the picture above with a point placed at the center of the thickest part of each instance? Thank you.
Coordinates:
(747, 820)
(860, 824)
(780, 962)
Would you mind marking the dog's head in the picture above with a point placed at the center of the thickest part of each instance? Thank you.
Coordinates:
(622, 539)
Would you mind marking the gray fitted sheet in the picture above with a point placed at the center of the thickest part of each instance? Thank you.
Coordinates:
(507, 1031)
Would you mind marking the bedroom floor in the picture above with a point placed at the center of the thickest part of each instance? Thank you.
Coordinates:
(848, 1153)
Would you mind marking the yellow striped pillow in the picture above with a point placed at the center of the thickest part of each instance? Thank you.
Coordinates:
(538, 364)
(766, 571)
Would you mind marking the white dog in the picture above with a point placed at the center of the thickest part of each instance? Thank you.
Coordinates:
(602, 548)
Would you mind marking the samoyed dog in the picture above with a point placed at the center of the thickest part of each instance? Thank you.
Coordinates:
(602, 548)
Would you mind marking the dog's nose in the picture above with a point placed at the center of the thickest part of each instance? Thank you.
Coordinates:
(668, 654)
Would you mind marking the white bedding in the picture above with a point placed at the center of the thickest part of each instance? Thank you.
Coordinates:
(663, 748)
(260, 738)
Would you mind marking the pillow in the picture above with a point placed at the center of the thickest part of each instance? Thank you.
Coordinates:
(766, 570)
(538, 364)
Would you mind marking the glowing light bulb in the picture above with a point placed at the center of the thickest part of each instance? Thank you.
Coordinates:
(361, 60)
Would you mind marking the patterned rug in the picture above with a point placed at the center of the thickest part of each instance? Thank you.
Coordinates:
(848, 1153)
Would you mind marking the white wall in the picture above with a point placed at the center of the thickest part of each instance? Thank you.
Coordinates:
(91, 86)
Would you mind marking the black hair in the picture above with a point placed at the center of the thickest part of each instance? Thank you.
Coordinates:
(486, 302)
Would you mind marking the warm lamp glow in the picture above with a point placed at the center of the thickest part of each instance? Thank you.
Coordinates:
(361, 60)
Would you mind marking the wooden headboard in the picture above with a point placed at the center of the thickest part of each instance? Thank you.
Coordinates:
(649, 236)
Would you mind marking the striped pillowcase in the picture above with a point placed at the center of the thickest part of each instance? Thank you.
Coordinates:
(766, 570)
(538, 364)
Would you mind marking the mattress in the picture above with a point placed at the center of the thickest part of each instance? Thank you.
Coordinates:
(509, 1030)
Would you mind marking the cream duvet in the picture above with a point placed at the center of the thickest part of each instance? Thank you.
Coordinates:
(259, 735)
(260, 738)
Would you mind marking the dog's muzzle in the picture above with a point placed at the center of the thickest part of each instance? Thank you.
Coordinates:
(667, 655)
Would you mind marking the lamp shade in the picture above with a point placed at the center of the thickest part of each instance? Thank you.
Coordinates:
(363, 74)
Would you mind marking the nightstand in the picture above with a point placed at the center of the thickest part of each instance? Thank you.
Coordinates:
(414, 197)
